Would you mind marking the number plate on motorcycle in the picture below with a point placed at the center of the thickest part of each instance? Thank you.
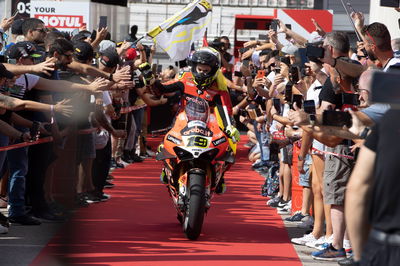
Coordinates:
(197, 141)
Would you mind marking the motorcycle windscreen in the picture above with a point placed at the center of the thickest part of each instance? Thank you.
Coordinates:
(197, 109)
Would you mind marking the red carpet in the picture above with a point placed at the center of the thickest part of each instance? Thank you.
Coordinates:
(138, 226)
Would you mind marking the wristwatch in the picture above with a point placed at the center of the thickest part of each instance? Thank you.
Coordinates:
(312, 118)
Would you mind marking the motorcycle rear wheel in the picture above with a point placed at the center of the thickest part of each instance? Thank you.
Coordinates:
(194, 217)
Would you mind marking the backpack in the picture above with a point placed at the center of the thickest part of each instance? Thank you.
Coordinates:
(271, 184)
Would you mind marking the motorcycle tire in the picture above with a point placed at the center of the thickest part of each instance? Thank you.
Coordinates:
(194, 217)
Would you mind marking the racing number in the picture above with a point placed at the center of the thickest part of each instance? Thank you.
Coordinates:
(198, 142)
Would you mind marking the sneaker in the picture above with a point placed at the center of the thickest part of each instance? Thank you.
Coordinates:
(137, 158)
(113, 163)
(283, 203)
(48, 216)
(317, 244)
(110, 177)
(347, 261)
(324, 244)
(80, 200)
(303, 240)
(108, 185)
(297, 217)
(276, 204)
(347, 247)
(24, 220)
(274, 200)
(285, 210)
(4, 224)
(329, 254)
(307, 223)
(260, 164)
(93, 197)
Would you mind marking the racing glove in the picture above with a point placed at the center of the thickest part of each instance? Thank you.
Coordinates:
(233, 133)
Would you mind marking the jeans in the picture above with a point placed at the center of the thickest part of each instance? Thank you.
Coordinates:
(262, 138)
(18, 163)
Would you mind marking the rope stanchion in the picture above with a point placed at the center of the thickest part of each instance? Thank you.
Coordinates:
(125, 110)
(42, 140)
(25, 144)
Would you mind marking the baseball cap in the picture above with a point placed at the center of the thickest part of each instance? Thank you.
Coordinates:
(131, 54)
(83, 51)
(81, 36)
(109, 58)
(106, 45)
(4, 73)
(23, 49)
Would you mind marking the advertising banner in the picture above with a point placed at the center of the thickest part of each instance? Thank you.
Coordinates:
(65, 16)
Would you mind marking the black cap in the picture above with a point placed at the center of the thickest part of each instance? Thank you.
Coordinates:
(109, 58)
(81, 36)
(83, 51)
(16, 27)
(22, 49)
(5, 73)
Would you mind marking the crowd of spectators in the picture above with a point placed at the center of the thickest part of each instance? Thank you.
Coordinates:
(312, 98)
(79, 91)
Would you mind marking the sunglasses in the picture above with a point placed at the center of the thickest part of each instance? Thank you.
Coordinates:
(42, 30)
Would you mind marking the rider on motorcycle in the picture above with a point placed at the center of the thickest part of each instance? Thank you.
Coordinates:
(205, 81)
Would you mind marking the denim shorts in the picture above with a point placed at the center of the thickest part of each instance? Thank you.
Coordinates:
(304, 179)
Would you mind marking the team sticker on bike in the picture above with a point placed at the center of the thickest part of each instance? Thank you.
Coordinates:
(173, 139)
(189, 131)
(219, 141)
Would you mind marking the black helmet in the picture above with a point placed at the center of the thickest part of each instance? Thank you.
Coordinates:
(206, 56)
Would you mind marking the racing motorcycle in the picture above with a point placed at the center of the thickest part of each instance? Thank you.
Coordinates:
(196, 152)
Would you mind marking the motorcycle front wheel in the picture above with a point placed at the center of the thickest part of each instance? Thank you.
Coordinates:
(194, 217)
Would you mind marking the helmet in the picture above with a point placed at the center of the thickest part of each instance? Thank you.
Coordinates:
(206, 56)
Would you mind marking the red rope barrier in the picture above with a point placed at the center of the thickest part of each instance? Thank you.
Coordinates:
(42, 140)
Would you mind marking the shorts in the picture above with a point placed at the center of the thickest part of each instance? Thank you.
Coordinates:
(86, 147)
(304, 179)
(336, 174)
(287, 154)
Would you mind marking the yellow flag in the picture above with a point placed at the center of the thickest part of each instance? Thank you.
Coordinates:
(177, 34)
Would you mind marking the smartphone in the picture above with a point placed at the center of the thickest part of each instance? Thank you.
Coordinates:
(277, 104)
(314, 52)
(288, 92)
(309, 107)
(12, 61)
(260, 74)
(298, 99)
(289, 26)
(294, 74)
(238, 74)
(246, 62)
(277, 70)
(350, 98)
(385, 88)
(303, 56)
(159, 69)
(336, 118)
(103, 22)
(263, 37)
(15, 13)
(274, 25)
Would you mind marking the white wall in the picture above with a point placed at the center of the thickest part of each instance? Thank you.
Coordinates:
(386, 15)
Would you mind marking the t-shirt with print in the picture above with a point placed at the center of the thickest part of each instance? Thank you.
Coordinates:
(23, 84)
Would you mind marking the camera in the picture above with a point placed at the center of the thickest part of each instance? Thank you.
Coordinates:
(217, 45)
(314, 52)
(336, 118)
(146, 71)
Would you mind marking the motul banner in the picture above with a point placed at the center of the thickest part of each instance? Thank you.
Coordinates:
(65, 16)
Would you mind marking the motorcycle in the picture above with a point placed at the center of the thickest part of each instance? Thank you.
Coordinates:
(196, 152)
